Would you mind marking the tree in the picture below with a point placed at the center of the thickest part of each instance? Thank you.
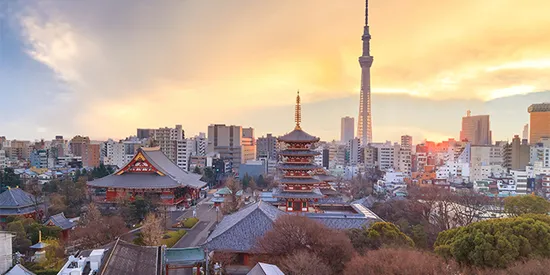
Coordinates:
(496, 242)
(390, 261)
(528, 204)
(232, 203)
(57, 204)
(379, 234)
(20, 243)
(209, 176)
(261, 183)
(304, 263)
(152, 231)
(140, 207)
(412, 218)
(96, 230)
(246, 181)
(291, 234)
(360, 187)
(197, 170)
(9, 178)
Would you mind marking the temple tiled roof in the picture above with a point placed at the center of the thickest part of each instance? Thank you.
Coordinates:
(238, 232)
(60, 221)
(265, 269)
(298, 153)
(173, 175)
(125, 258)
(298, 135)
(15, 201)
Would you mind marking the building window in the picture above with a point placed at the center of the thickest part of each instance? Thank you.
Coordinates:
(304, 204)
(289, 204)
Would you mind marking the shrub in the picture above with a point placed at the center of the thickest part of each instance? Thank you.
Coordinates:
(379, 234)
(174, 237)
(190, 222)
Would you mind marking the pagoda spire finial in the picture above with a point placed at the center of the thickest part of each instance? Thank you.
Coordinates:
(39, 236)
(298, 114)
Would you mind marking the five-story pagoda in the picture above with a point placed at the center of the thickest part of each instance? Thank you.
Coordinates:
(297, 185)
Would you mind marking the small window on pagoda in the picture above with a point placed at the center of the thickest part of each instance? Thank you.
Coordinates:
(304, 204)
(289, 204)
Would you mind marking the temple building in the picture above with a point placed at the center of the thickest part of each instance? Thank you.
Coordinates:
(16, 202)
(304, 189)
(59, 220)
(149, 174)
(298, 186)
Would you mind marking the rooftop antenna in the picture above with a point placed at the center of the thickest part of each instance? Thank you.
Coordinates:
(298, 115)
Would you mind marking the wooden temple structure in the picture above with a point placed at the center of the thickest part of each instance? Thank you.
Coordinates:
(298, 186)
(149, 174)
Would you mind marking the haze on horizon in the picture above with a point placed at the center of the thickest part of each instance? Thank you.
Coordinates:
(104, 68)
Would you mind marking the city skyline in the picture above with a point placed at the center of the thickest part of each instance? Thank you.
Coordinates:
(63, 71)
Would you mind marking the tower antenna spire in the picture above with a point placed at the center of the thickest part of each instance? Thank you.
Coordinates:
(298, 112)
(364, 125)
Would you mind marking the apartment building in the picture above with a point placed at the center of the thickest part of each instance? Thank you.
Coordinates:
(267, 147)
(232, 142)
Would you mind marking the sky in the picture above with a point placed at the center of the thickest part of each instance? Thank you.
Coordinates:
(104, 68)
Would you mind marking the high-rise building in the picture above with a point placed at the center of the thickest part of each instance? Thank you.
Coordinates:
(143, 133)
(91, 157)
(232, 142)
(364, 125)
(78, 145)
(355, 154)
(405, 155)
(476, 129)
(201, 143)
(167, 138)
(266, 147)
(347, 131)
(525, 134)
(516, 154)
(539, 121)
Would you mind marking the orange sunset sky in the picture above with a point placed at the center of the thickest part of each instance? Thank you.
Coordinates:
(105, 68)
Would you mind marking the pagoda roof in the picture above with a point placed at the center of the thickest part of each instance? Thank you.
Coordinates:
(299, 181)
(60, 221)
(315, 193)
(298, 135)
(299, 153)
(290, 166)
(238, 232)
(167, 174)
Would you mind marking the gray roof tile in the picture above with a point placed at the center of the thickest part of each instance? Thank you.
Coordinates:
(60, 221)
(239, 231)
(16, 198)
(175, 176)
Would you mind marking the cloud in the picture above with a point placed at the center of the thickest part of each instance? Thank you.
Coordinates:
(135, 64)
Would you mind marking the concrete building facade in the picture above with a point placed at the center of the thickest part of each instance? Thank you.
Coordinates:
(476, 129)
(266, 147)
(232, 142)
(347, 129)
(539, 121)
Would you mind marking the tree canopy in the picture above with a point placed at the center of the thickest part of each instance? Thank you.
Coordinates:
(497, 242)
(528, 204)
(292, 235)
(379, 234)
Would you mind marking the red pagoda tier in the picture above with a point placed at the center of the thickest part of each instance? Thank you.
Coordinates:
(297, 185)
(149, 174)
